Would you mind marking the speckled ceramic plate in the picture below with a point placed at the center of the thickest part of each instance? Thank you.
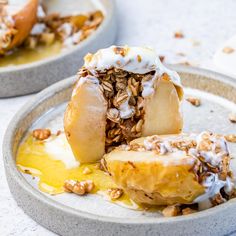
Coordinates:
(67, 214)
(33, 77)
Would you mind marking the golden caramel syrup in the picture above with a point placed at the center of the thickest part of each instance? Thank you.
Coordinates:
(25, 55)
(33, 159)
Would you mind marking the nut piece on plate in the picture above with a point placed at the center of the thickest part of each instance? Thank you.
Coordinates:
(232, 117)
(194, 101)
(122, 93)
(115, 193)
(41, 134)
(172, 169)
(80, 188)
(231, 138)
(170, 211)
(16, 21)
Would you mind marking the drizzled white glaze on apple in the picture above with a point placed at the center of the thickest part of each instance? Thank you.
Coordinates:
(139, 60)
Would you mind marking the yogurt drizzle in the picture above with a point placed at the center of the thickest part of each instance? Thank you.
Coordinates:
(139, 60)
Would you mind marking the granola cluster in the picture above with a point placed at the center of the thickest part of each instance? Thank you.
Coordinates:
(123, 93)
(70, 30)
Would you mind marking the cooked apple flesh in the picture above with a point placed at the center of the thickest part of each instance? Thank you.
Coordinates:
(154, 179)
(84, 122)
(162, 110)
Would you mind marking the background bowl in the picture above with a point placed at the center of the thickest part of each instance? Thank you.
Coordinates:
(33, 77)
(55, 215)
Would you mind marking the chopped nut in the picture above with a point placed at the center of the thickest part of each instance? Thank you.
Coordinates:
(231, 138)
(187, 211)
(178, 34)
(115, 193)
(139, 58)
(162, 58)
(181, 54)
(120, 50)
(58, 132)
(194, 101)
(228, 50)
(171, 211)
(232, 117)
(205, 145)
(185, 63)
(87, 171)
(217, 199)
(77, 187)
(41, 134)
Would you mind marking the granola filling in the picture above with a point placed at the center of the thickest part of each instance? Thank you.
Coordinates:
(125, 113)
(212, 161)
(126, 77)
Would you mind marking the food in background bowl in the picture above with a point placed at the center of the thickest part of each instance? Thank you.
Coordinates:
(16, 21)
(32, 33)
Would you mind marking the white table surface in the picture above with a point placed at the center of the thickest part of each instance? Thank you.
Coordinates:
(141, 22)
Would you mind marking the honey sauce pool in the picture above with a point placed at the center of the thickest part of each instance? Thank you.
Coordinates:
(38, 159)
(25, 55)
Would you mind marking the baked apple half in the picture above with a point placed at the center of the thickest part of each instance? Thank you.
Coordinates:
(172, 169)
(17, 18)
(122, 93)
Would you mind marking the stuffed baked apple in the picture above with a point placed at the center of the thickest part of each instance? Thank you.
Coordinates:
(173, 169)
(122, 93)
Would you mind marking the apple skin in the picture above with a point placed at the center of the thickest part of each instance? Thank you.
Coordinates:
(24, 21)
(147, 180)
(84, 122)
